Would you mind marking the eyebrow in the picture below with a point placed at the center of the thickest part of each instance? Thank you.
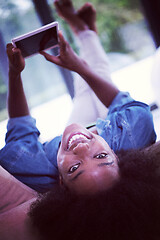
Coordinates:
(78, 174)
(105, 164)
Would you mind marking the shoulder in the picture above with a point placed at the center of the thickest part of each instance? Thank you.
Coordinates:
(21, 128)
(124, 101)
(128, 125)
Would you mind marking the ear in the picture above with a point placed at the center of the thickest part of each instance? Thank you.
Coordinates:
(61, 183)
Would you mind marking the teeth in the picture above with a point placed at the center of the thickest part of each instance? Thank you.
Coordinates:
(76, 137)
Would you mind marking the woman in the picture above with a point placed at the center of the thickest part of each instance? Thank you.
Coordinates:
(123, 200)
(128, 124)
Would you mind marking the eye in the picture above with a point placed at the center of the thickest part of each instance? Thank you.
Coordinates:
(74, 168)
(101, 155)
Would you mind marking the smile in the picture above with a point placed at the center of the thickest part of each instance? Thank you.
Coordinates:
(75, 139)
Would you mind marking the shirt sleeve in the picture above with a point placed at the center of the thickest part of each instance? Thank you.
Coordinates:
(120, 101)
(135, 120)
(129, 124)
(23, 128)
(26, 158)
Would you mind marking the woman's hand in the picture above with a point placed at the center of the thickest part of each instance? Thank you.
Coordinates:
(16, 61)
(67, 58)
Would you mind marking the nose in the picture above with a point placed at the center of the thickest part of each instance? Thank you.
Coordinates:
(81, 149)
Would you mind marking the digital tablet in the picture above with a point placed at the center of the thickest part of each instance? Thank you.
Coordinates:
(43, 38)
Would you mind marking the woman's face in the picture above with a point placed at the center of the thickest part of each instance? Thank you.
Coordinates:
(86, 163)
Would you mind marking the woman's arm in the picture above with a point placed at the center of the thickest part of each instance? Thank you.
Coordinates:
(105, 91)
(17, 103)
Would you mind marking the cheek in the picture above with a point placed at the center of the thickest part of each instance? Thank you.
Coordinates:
(60, 160)
(60, 157)
(63, 162)
(59, 153)
(96, 181)
(110, 178)
(106, 180)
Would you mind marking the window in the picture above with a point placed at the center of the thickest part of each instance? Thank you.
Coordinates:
(122, 30)
(42, 81)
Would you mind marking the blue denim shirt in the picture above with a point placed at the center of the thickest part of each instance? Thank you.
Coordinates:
(128, 125)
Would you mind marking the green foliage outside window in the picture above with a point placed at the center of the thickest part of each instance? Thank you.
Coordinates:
(112, 14)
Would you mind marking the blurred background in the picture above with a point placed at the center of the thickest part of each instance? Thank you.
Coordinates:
(129, 33)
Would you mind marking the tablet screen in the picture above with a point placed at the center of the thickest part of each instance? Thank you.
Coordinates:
(37, 42)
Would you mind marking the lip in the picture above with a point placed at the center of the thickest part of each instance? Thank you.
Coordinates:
(78, 140)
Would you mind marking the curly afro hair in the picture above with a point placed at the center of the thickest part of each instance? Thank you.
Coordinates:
(130, 210)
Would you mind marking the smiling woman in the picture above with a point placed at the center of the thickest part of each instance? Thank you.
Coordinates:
(101, 196)
(85, 161)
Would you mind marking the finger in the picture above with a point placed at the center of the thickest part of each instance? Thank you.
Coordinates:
(59, 9)
(9, 48)
(50, 58)
(57, 6)
(16, 52)
(47, 56)
(41, 52)
(62, 42)
(56, 3)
